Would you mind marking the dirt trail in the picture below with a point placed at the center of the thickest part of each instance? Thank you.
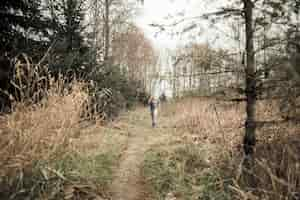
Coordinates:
(128, 182)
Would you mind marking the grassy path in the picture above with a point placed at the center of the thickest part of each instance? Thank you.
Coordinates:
(128, 182)
(166, 162)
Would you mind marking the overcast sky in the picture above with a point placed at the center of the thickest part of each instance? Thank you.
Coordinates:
(170, 11)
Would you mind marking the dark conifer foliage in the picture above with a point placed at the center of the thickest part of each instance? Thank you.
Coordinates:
(69, 53)
(23, 27)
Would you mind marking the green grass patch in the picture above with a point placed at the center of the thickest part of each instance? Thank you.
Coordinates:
(98, 168)
(73, 175)
(184, 173)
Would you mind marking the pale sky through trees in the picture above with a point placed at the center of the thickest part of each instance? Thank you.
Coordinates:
(170, 11)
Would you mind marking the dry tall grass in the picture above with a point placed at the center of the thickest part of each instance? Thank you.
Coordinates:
(221, 125)
(38, 131)
(206, 120)
(43, 152)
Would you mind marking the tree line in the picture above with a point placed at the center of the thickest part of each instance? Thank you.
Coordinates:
(94, 40)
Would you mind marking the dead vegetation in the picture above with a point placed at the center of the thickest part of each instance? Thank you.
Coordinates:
(39, 155)
(47, 152)
(218, 127)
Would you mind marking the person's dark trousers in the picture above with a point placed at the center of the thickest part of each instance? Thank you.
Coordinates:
(153, 117)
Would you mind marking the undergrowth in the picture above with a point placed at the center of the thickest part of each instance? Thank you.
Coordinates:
(71, 177)
(95, 168)
(219, 127)
(38, 160)
(184, 174)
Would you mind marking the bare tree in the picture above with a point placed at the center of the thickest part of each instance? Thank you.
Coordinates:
(107, 4)
(250, 126)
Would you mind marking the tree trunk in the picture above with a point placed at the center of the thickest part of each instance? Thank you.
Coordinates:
(250, 126)
(96, 15)
(106, 31)
(191, 78)
(175, 88)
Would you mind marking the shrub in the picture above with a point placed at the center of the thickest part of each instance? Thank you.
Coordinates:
(120, 93)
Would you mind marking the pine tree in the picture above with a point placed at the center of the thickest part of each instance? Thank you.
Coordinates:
(67, 20)
(72, 11)
(23, 27)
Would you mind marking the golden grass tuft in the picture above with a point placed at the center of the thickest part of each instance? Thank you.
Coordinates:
(51, 142)
(206, 120)
(40, 132)
(49, 145)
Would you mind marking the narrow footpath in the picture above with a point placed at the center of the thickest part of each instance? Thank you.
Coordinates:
(128, 183)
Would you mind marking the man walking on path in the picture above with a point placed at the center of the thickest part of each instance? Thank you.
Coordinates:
(153, 103)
